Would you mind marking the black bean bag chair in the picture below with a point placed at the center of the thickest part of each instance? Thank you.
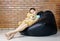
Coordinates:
(45, 26)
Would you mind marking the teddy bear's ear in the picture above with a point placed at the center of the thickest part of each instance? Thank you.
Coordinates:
(40, 12)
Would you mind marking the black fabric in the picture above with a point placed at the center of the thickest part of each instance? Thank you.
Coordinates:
(45, 26)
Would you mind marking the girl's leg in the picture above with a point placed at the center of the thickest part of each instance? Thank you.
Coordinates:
(20, 28)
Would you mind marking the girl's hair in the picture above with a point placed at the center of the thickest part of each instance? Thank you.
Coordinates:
(32, 9)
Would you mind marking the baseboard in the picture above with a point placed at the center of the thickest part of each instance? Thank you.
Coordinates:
(7, 28)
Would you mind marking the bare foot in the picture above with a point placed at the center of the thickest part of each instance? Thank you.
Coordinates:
(6, 35)
(9, 35)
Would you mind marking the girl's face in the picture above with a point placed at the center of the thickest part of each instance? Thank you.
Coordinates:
(32, 11)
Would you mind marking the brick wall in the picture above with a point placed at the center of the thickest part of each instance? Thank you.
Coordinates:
(58, 13)
(13, 11)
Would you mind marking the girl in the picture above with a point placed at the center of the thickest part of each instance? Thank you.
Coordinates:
(31, 18)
